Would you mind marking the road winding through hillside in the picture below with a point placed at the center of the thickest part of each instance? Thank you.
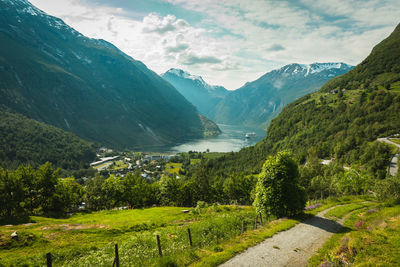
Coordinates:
(393, 165)
(292, 247)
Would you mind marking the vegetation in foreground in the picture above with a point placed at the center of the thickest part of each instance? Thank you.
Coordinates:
(89, 238)
(373, 239)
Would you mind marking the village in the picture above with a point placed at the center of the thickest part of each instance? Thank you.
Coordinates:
(151, 165)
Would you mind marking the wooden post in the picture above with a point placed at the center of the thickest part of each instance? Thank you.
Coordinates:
(261, 220)
(48, 257)
(116, 256)
(159, 245)
(243, 226)
(190, 238)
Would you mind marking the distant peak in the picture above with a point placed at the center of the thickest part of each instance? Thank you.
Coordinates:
(313, 67)
(197, 79)
(184, 74)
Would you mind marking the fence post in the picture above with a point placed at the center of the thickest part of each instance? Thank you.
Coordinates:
(243, 226)
(48, 257)
(261, 220)
(159, 245)
(116, 260)
(190, 238)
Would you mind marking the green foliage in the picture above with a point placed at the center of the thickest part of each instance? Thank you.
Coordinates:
(28, 191)
(278, 190)
(87, 239)
(374, 240)
(26, 141)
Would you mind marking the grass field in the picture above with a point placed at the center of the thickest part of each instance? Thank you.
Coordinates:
(395, 140)
(372, 238)
(88, 239)
(173, 168)
(85, 238)
(340, 211)
(194, 161)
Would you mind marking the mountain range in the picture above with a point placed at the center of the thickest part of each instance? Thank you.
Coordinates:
(341, 120)
(257, 102)
(53, 74)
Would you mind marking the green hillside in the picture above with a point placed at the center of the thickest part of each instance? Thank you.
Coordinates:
(26, 141)
(341, 121)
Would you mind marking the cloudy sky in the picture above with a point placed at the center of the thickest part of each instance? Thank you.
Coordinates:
(230, 42)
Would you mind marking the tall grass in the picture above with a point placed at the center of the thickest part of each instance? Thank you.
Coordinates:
(140, 249)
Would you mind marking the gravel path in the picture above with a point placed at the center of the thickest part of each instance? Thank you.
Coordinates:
(393, 165)
(292, 247)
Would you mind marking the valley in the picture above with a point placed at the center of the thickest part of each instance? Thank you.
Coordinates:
(114, 151)
(233, 138)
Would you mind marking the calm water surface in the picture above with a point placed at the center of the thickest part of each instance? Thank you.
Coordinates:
(231, 139)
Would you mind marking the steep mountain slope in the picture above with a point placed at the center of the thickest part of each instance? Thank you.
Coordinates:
(204, 96)
(52, 73)
(26, 141)
(263, 99)
(341, 120)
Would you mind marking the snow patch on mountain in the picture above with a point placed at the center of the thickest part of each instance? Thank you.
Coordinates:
(308, 69)
(185, 75)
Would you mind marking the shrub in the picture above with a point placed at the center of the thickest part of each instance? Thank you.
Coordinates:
(278, 190)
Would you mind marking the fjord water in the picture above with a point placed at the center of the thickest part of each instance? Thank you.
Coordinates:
(231, 139)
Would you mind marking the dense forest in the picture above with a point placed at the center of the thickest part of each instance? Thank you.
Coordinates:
(26, 141)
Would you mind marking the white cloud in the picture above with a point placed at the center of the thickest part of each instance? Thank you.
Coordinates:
(237, 41)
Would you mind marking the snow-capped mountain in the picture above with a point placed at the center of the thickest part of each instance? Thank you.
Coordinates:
(204, 96)
(257, 102)
(309, 69)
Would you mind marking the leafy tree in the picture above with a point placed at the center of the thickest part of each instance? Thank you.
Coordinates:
(278, 191)
(94, 194)
(170, 190)
(137, 192)
(113, 190)
(239, 187)
(68, 195)
(11, 196)
(47, 182)
(30, 183)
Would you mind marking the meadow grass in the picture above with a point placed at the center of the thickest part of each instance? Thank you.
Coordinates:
(88, 239)
(118, 165)
(372, 238)
(173, 168)
(340, 211)
(395, 140)
(194, 161)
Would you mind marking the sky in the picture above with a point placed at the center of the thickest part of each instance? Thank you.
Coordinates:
(231, 42)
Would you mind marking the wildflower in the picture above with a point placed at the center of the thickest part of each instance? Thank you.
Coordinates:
(359, 224)
(311, 207)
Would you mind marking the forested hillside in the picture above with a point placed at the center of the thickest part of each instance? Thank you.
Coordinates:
(340, 121)
(26, 141)
(263, 99)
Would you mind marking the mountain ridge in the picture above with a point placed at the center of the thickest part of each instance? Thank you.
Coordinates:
(265, 97)
(55, 75)
(201, 94)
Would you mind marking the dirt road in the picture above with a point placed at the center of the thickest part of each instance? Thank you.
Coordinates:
(292, 247)
(393, 165)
